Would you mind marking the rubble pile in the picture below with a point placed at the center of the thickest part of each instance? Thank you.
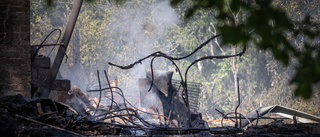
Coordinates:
(21, 116)
(45, 117)
(74, 113)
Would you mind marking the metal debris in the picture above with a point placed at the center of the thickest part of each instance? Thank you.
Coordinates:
(286, 112)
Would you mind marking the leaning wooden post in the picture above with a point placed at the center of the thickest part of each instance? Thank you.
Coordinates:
(45, 88)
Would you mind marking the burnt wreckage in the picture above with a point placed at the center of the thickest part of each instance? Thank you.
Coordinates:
(74, 113)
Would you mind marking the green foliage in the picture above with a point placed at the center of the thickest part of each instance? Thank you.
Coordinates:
(271, 25)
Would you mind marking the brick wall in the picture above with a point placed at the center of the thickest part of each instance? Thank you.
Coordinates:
(15, 66)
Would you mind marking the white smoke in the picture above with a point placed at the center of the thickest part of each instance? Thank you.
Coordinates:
(140, 27)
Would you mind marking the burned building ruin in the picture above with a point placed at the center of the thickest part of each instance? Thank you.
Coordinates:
(34, 102)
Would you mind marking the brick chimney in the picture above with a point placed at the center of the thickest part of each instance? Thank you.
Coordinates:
(15, 65)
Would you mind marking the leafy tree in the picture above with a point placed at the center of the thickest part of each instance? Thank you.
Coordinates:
(272, 27)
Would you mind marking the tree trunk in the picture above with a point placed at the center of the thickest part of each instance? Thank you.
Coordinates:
(235, 75)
